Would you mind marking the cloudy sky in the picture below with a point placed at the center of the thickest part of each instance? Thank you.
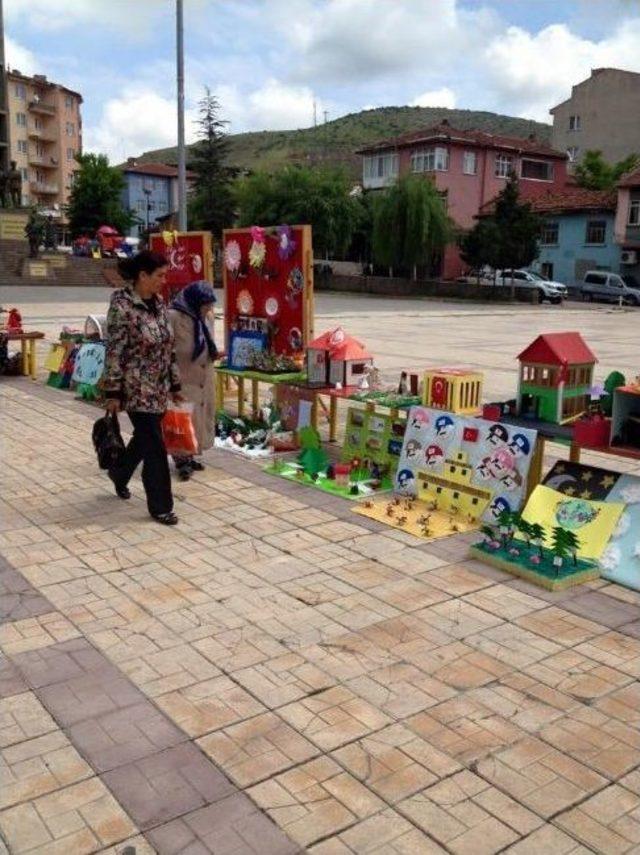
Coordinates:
(267, 60)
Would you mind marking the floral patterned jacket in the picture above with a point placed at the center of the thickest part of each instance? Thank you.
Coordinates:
(140, 368)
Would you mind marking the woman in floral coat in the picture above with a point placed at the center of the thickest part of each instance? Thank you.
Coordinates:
(141, 376)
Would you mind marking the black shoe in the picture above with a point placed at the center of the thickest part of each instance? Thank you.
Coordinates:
(121, 492)
(184, 473)
(196, 466)
(166, 519)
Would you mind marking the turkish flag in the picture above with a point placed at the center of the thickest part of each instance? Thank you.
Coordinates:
(439, 391)
(470, 434)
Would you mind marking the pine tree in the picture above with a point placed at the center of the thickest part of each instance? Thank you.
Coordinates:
(211, 206)
(537, 536)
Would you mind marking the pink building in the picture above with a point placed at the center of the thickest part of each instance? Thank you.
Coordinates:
(469, 168)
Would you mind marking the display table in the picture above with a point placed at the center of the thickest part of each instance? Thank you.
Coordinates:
(28, 346)
(223, 375)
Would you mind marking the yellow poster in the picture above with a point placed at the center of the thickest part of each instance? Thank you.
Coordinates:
(55, 358)
(593, 523)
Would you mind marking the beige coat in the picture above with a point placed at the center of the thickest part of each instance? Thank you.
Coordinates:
(196, 377)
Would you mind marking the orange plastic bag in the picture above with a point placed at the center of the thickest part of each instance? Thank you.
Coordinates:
(178, 432)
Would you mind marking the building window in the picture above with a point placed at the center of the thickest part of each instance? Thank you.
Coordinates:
(21, 119)
(549, 234)
(430, 160)
(596, 231)
(25, 174)
(504, 165)
(20, 91)
(538, 170)
(574, 123)
(469, 163)
(22, 146)
(634, 213)
(37, 124)
(70, 154)
(68, 102)
(381, 166)
(572, 152)
(71, 129)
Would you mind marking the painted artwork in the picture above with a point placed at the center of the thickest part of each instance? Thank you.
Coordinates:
(373, 436)
(294, 404)
(593, 523)
(89, 364)
(189, 256)
(464, 465)
(581, 481)
(244, 346)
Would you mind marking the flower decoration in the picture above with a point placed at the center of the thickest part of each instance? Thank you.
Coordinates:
(257, 234)
(232, 256)
(257, 253)
(295, 282)
(286, 243)
(244, 302)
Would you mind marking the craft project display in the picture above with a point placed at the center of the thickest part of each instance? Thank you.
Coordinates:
(189, 256)
(89, 364)
(294, 404)
(55, 358)
(268, 280)
(556, 378)
(422, 519)
(467, 466)
(452, 389)
(374, 437)
(335, 358)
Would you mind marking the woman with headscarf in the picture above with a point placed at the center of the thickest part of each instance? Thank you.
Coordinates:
(191, 316)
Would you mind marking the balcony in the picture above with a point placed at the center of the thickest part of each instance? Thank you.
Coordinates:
(42, 108)
(44, 189)
(44, 161)
(42, 134)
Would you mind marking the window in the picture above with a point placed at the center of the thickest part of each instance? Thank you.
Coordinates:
(20, 91)
(538, 170)
(22, 146)
(70, 154)
(596, 278)
(574, 123)
(37, 124)
(456, 495)
(469, 163)
(452, 469)
(21, 119)
(381, 166)
(474, 501)
(572, 151)
(549, 234)
(356, 369)
(71, 129)
(141, 205)
(504, 165)
(25, 174)
(596, 231)
(634, 213)
(68, 102)
(430, 160)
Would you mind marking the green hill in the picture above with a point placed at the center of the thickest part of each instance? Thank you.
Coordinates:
(337, 141)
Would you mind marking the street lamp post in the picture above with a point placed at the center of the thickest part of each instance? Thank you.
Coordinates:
(182, 164)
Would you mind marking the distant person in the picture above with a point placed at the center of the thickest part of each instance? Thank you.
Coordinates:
(191, 317)
(141, 377)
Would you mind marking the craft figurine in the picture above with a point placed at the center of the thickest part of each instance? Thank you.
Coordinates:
(232, 257)
(258, 249)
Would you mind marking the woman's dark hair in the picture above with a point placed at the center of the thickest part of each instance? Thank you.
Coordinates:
(144, 262)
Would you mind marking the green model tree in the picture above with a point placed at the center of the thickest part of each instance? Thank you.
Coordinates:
(563, 543)
(594, 173)
(488, 532)
(312, 457)
(96, 197)
(525, 530)
(537, 536)
(505, 521)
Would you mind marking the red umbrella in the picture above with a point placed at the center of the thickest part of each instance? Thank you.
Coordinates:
(107, 230)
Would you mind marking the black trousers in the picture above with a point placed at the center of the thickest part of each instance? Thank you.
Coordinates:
(146, 445)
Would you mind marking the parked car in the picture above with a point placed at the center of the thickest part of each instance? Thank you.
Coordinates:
(608, 287)
(473, 277)
(554, 292)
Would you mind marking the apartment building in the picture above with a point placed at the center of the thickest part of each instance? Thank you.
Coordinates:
(45, 134)
(150, 191)
(602, 113)
(469, 168)
(627, 224)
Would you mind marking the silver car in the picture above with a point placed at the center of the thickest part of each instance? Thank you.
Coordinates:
(554, 292)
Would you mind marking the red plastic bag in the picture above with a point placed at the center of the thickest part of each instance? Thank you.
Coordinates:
(178, 432)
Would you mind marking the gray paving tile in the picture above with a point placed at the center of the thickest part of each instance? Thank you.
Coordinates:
(59, 662)
(167, 785)
(632, 629)
(11, 681)
(124, 736)
(89, 696)
(601, 608)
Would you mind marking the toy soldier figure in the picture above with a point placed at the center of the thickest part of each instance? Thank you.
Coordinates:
(14, 185)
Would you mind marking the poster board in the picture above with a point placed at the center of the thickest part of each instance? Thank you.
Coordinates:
(89, 364)
(477, 466)
(272, 295)
(373, 436)
(190, 258)
(294, 404)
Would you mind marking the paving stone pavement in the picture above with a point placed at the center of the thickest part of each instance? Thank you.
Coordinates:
(276, 675)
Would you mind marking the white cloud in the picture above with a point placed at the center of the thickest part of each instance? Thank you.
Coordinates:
(443, 97)
(623, 526)
(610, 558)
(123, 15)
(19, 57)
(630, 494)
(273, 106)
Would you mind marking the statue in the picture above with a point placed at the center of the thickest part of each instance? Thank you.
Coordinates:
(50, 241)
(33, 230)
(14, 185)
(3, 188)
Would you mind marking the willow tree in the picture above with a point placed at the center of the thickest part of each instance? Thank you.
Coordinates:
(410, 225)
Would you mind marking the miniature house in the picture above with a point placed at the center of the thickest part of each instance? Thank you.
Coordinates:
(336, 357)
(556, 376)
(453, 390)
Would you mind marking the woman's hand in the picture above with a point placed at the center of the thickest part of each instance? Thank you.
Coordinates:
(113, 406)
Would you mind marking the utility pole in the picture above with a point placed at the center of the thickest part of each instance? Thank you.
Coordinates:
(4, 103)
(182, 162)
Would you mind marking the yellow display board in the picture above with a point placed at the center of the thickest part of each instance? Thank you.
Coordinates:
(416, 517)
(453, 389)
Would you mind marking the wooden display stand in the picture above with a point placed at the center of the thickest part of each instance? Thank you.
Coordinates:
(29, 354)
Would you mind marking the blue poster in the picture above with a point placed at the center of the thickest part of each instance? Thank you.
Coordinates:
(89, 364)
(620, 561)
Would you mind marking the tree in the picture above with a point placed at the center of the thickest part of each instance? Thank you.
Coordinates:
(96, 197)
(572, 543)
(594, 173)
(410, 225)
(478, 246)
(537, 536)
(559, 546)
(211, 207)
(488, 532)
(301, 195)
(525, 529)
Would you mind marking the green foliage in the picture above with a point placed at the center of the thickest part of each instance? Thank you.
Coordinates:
(524, 528)
(211, 205)
(302, 195)
(537, 533)
(478, 246)
(594, 173)
(410, 224)
(95, 198)
(308, 437)
(564, 542)
(488, 532)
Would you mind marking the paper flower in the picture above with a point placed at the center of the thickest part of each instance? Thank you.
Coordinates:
(232, 256)
(257, 234)
(535, 559)
(295, 282)
(257, 253)
(286, 243)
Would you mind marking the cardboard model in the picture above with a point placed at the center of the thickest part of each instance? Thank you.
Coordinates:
(335, 357)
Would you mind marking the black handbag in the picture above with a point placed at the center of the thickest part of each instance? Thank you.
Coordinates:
(107, 441)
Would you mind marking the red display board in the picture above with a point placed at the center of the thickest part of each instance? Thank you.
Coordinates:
(274, 295)
(189, 255)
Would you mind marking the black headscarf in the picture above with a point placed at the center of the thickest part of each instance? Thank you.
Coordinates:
(189, 301)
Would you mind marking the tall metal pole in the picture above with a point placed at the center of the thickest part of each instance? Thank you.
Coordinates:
(182, 164)
(4, 103)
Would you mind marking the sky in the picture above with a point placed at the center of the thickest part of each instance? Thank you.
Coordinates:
(269, 61)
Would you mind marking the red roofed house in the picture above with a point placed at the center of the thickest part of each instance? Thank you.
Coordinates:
(469, 168)
(335, 357)
(627, 225)
(556, 376)
(150, 191)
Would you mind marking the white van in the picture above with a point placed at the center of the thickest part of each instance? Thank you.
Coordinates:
(608, 287)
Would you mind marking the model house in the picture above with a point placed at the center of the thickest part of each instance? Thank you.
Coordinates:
(335, 357)
(556, 376)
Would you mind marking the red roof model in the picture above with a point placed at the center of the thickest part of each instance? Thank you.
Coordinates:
(340, 345)
(562, 348)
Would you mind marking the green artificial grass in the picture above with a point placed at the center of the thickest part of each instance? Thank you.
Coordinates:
(289, 470)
